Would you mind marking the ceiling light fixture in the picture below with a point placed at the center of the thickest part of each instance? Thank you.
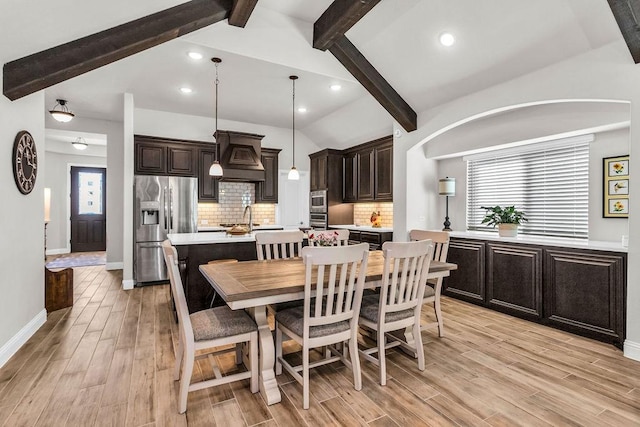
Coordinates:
(80, 144)
(294, 175)
(447, 39)
(302, 110)
(195, 55)
(186, 90)
(216, 169)
(336, 88)
(62, 114)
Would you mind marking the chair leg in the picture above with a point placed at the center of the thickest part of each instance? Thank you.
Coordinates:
(278, 350)
(382, 363)
(179, 357)
(305, 377)
(418, 343)
(354, 355)
(436, 307)
(255, 362)
(187, 371)
(239, 353)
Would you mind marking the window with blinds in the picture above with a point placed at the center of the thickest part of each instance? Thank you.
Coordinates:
(548, 181)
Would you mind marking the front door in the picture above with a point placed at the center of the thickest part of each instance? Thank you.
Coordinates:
(88, 209)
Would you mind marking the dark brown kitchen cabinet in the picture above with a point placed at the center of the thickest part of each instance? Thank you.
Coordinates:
(207, 184)
(181, 161)
(326, 174)
(383, 186)
(467, 281)
(350, 173)
(165, 156)
(577, 290)
(150, 159)
(365, 174)
(585, 293)
(267, 190)
(514, 279)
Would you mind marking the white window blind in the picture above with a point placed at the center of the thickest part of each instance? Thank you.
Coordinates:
(551, 186)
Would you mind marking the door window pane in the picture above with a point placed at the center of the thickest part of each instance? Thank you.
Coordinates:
(90, 193)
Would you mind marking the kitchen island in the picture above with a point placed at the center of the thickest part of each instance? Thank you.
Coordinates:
(195, 249)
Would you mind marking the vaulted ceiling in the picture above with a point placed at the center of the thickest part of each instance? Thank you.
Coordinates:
(496, 41)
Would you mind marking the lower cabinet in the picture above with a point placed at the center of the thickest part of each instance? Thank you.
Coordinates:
(580, 291)
(514, 279)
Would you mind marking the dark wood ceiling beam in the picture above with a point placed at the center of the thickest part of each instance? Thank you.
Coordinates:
(241, 12)
(627, 13)
(35, 72)
(337, 19)
(351, 58)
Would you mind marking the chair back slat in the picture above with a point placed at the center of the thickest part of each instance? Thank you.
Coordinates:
(403, 284)
(177, 290)
(274, 244)
(440, 240)
(342, 236)
(339, 282)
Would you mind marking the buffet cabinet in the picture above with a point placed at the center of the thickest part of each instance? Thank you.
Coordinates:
(578, 290)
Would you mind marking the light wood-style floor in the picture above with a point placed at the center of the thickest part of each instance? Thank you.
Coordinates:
(108, 360)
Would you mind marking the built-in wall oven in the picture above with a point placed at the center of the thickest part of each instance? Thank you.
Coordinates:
(318, 221)
(318, 201)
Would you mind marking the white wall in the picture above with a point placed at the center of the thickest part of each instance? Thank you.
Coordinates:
(56, 177)
(21, 228)
(604, 73)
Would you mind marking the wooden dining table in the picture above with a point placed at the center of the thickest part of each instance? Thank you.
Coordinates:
(253, 285)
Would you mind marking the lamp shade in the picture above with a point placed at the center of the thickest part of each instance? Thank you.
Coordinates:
(294, 175)
(61, 112)
(215, 169)
(447, 187)
(80, 144)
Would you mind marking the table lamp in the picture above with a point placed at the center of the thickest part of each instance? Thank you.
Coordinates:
(447, 187)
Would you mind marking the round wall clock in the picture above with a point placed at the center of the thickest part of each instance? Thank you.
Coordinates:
(25, 162)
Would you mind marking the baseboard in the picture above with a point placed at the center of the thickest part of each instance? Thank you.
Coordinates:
(114, 266)
(18, 340)
(128, 284)
(632, 350)
(58, 251)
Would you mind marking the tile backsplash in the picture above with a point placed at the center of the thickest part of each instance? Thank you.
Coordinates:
(229, 208)
(362, 213)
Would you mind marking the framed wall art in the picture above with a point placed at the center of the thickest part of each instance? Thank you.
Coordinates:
(616, 187)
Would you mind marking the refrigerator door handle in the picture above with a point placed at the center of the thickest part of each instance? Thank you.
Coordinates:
(171, 209)
(164, 205)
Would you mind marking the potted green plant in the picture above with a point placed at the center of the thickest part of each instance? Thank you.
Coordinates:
(507, 219)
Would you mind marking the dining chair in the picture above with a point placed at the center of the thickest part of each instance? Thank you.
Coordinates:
(432, 293)
(316, 236)
(204, 332)
(278, 244)
(404, 277)
(333, 287)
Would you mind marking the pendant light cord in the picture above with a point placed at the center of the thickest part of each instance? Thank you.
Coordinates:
(215, 136)
(293, 126)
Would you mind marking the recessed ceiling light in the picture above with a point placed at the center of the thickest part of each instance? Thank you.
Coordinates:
(447, 39)
(302, 110)
(195, 55)
(186, 90)
(336, 88)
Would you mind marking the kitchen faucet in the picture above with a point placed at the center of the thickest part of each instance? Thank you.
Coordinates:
(250, 217)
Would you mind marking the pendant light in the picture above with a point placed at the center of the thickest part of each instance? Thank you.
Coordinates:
(61, 114)
(294, 175)
(216, 169)
(80, 144)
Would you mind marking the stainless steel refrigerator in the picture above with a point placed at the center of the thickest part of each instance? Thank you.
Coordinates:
(162, 205)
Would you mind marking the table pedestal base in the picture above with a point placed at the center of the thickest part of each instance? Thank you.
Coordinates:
(268, 383)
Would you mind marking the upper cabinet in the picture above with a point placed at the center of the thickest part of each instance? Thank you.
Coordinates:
(267, 190)
(164, 156)
(368, 172)
(207, 184)
(326, 173)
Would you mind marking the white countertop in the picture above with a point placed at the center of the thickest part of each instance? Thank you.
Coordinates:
(217, 228)
(180, 239)
(363, 228)
(544, 241)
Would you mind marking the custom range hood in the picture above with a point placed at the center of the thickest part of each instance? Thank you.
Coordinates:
(240, 156)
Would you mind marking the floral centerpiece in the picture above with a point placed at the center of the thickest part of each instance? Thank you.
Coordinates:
(325, 238)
